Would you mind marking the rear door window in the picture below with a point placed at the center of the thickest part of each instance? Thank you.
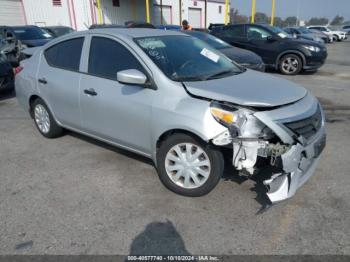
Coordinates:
(107, 57)
(234, 31)
(66, 54)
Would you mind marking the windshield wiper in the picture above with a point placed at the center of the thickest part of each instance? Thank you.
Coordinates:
(225, 72)
(188, 78)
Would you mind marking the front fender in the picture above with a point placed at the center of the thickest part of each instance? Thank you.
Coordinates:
(190, 115)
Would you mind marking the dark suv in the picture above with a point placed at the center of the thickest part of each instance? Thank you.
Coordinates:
(276, 47)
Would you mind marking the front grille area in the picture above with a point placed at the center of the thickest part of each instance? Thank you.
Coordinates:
(307, 127)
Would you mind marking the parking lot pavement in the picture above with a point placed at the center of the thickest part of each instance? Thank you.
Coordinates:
(73, 195)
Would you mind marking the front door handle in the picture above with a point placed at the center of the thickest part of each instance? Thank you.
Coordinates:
(90, 92)
(42, 81)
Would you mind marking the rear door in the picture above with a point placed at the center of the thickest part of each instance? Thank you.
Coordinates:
(111, 110)
(58, 80)
(234, 35)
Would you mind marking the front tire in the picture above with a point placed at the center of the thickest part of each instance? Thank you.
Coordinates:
(44, 120)
(189, 167)
(336, 38)
(290, 64)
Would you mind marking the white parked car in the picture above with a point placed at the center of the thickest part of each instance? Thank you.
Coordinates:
(346, 28)
(337, 35)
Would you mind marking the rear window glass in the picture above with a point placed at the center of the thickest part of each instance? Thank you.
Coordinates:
(66, 54)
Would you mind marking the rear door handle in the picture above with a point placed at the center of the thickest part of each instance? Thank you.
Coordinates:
(42, 81)
(90, 92)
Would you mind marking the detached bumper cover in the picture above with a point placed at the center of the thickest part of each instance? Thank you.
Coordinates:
(299, 164)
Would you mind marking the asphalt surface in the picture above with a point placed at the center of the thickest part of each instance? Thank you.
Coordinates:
(74, 195)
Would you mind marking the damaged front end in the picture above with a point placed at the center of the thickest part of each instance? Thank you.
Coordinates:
(290, 139)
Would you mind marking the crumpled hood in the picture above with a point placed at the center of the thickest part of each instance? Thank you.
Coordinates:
(249, 88)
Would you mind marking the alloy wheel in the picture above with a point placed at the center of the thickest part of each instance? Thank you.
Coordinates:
(42, 118)
(290, 65)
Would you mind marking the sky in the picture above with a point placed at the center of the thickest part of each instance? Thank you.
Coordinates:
(306, 10)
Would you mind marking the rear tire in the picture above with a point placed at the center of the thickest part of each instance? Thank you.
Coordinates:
(290, 64)
(188, 166)
(44, 120)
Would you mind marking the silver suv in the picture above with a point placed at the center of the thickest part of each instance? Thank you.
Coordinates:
(172, 98)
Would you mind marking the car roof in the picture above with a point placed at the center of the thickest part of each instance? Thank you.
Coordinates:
(56, 26)
(22, 26)
(134, 32)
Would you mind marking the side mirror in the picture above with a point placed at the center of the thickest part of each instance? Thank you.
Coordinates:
(131, 77)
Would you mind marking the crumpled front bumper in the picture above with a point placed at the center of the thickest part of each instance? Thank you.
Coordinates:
(295, 157)
(299, 164)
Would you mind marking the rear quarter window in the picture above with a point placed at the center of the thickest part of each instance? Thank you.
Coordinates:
(234, 31)
(66, 54)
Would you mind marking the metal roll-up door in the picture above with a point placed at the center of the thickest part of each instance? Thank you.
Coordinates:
(167, 16)
(195, 17)
(11, 12)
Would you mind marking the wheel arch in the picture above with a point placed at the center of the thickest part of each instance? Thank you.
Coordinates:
(34, 97)
(167, 133)
(31, 100)
(170, 132)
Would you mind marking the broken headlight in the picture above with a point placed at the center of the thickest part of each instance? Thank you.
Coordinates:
(241, 122)
(227, 115)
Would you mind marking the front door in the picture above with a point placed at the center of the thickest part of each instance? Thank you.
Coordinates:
(111, 110)
(259, 43)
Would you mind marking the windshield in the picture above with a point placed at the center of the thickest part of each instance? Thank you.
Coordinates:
(31, 33)
(211, 40)
(279, 31)
(185, 58)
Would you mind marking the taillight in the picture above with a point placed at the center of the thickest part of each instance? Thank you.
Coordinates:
(17, 69)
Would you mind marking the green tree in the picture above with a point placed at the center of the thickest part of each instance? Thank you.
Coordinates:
(278, 21)
(291, 21)
(237, 18)
(261, 18)
(337, 20)
(318, 21)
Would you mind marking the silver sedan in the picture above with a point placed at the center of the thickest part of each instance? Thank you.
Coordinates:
(173, 98)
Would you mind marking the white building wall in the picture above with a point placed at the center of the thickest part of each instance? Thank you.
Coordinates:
(175, 11)
(80, 14)
(127, 11)
(43, 13)
(213, 14)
